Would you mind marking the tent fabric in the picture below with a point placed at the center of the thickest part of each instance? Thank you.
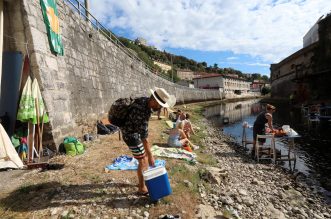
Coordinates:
(36, 94)
(26, 107)
(8, 155)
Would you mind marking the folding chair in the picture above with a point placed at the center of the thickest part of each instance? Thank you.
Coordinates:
(269, 146)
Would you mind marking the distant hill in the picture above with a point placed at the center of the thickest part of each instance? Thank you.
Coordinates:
(149, 54)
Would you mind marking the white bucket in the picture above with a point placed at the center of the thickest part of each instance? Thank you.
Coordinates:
(286, 128)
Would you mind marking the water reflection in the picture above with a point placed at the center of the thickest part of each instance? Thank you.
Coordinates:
(313, 148)
(234, 112)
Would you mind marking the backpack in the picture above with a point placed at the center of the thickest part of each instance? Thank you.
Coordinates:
(73, 147)
(119, 110)
(103, 129)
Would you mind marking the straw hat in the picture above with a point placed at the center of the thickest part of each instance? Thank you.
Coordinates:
(163, 97)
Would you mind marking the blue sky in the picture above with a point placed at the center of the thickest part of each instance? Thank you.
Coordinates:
(246, 35)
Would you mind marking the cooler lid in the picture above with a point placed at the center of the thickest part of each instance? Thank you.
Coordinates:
(154, 172)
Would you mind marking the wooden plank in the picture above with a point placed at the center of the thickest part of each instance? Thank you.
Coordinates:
(41, 136)
(30, 141)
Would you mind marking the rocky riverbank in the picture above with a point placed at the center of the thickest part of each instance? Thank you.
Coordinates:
(224, 183)
(255, 190)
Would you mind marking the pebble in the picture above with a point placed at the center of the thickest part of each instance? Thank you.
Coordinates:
(226, 200)
(65, 213)
(146, 214)
(242, 192)
(188, 183)
(316, 216)
(248, 201)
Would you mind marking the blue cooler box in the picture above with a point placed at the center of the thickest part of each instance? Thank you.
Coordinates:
(157, 182)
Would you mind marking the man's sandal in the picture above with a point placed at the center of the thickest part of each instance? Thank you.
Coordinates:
(146, 194)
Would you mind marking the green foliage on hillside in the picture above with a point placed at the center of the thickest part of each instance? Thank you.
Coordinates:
(149, 54)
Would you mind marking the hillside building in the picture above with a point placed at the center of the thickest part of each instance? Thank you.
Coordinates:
(186, 74)
(163, 66)
(228, 85)
(257, 85)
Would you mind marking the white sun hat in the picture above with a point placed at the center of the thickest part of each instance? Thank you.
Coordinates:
(163, 97)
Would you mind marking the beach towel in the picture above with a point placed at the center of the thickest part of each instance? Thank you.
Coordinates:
(170, 124)
(177, 153)
(125, 162)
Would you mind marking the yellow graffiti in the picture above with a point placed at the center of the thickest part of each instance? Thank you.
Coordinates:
(53, 20)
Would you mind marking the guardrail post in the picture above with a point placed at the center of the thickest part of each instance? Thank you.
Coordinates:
(78, 8)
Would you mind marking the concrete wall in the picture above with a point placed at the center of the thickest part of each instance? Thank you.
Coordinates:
(212, 82)
(311, 36)
(79, 87)
(307, 71)
(286, 75)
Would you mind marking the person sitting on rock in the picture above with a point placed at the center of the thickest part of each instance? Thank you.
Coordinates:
(177, 138)
(181, 118)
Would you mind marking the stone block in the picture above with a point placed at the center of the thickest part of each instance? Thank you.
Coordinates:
(60, 85)
(60, 95)
(58, 120)
(51, 63)
(47, 78)
(38, 40)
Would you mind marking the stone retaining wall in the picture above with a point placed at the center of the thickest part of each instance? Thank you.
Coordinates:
(79, 87)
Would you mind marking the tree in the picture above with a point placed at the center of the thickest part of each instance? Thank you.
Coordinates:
(265, 90)
(265, 78)
(204, 64)
(256, 76)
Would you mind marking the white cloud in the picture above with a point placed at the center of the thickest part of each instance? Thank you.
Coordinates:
(259, 64)
(231, 58)
(270, 29)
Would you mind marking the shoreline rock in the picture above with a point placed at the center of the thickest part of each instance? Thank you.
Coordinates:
(255, 190)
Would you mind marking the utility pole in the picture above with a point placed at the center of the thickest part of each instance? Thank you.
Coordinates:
(87, 7)
(172, 69)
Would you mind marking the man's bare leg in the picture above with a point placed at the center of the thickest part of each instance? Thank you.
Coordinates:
(142, 166)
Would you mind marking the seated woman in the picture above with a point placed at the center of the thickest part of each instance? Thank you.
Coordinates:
(181, 118)
(188, 129)
(177, 137)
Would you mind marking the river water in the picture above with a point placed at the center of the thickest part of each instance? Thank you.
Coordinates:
(313, 148)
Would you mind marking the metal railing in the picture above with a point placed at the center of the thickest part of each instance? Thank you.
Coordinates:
(82, 11)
